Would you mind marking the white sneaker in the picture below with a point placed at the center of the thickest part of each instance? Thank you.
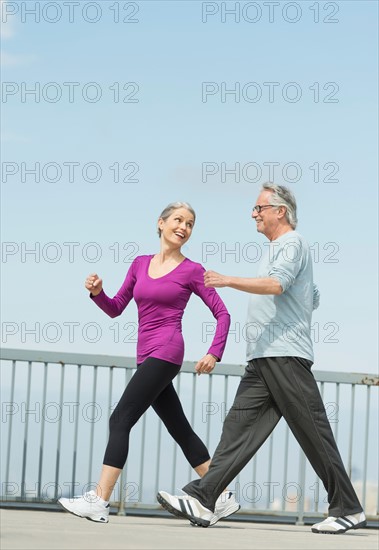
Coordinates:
(185, 507)
(89, 506)
(226, 505)
(337, 526)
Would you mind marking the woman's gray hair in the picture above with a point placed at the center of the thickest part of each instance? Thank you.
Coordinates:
(170, 208)
(282, 196)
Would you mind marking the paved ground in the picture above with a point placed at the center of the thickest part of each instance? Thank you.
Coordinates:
(23, 530)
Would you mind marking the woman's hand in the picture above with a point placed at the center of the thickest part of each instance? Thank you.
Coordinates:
(94, 284)
(206, 364)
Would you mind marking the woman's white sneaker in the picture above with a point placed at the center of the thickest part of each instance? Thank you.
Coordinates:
(337, 526)
(89, 506)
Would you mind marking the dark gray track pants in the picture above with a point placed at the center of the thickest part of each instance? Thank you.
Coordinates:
(273, 387)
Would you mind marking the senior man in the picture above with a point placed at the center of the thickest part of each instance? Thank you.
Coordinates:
(278, 380)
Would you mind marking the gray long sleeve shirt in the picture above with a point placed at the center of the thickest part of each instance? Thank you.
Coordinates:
(280, 325)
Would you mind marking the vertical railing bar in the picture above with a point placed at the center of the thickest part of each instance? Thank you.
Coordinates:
(317, 481)
(158, 465)
(92, 431)
(194, 381)
(285, 465)
(121, 503)
(337, 410)
(222, 417)
(350, 451)
(322, 385)
(178, 379)
(142, 452)
(300, 511)
(76, 429)
(108, 413)
(254, 475)
(42, 433)
(24, 454)
(208, 431)
(194, 395)
(124, 473)
(226, 388)
(110, 392)
(59, 436)
(269, 471)
(10, 422)
(364, 481)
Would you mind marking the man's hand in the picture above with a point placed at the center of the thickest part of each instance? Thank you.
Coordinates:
(254, 285)
(206, 364)
(211, 278)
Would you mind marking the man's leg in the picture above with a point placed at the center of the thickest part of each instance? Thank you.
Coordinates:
(248, 424)
(296, 394)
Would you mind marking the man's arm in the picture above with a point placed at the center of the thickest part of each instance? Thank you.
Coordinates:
(254, 285)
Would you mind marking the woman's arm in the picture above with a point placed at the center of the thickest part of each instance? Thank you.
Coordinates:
(218, 309)
(116, 305)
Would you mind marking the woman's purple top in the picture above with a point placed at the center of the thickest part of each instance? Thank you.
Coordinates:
(161, 303)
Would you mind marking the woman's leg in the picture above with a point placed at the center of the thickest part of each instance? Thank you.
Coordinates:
(107, 481)
(150, 379)
(169, 409)
(202, 469)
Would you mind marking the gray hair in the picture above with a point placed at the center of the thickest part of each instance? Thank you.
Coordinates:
(170, 208)
(282, 196)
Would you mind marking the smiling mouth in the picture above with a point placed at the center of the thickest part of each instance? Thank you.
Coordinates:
(181, 235)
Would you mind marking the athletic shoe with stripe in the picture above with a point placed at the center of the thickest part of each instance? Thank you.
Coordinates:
(337, 526)
(226, 505)
(186, 507)
(89, 506)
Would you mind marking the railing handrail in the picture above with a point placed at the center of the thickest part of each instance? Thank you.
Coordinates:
(68, 358)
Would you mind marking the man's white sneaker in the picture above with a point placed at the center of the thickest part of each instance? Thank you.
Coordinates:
(226, 505)
(185, 507)
(89, 506)
(337, 526)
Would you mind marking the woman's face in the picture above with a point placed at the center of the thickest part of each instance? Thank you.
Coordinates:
(177, 228)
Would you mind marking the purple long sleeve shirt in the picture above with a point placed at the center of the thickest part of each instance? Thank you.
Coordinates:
(161, 303)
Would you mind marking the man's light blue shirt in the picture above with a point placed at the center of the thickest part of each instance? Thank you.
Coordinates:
(280, 325)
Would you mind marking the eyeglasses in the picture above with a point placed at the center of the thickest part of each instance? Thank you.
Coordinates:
(258, 208)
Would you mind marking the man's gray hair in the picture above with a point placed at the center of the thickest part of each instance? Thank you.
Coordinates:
(170, 208)
(282, 196)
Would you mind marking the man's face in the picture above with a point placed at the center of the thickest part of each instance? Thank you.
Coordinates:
(266, 219)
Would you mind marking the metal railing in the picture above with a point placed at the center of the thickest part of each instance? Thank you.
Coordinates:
(55, 411)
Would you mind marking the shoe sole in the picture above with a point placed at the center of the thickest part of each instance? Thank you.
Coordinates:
(80, 516)
(194, 520)
(357, 526)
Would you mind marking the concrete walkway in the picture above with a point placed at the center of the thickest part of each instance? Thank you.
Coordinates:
(23, 530)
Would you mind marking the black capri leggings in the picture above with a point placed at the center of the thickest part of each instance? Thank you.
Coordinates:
(152, 385)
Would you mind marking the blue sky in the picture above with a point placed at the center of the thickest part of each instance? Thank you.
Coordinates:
(165, 139)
